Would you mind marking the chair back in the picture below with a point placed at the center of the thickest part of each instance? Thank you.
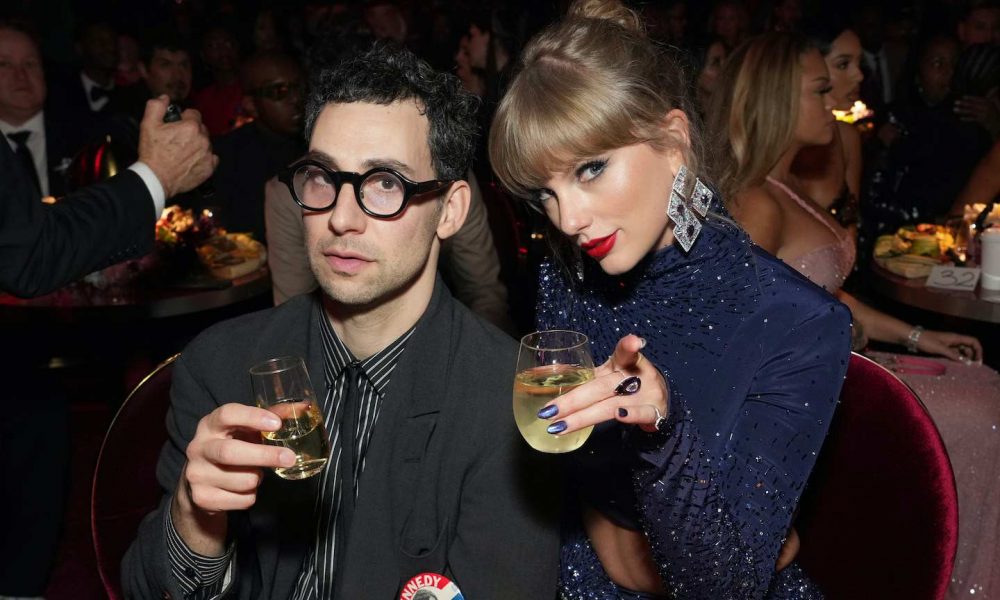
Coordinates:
(879, 518)
(125, 487)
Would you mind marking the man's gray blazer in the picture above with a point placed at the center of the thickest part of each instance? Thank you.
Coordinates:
(448, 487)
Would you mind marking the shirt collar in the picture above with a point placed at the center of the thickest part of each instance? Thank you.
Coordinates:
(376, 368)
(35, 124)
(89, 83)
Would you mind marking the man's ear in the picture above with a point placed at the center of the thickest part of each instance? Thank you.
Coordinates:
(249, 106)
(454, 208)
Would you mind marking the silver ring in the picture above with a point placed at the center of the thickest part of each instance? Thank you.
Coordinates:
(661, 420)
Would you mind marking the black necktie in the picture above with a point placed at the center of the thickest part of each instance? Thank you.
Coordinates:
(20, 139)
(348, 427)
(349, 435)
(97, 92)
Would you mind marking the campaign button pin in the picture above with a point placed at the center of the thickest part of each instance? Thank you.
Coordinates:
(430, 586)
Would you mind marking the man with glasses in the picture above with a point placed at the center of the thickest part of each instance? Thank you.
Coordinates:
(434, 480)
(273, 96)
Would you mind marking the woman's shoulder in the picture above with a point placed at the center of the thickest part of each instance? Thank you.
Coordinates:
(760, 213)
(760, 199)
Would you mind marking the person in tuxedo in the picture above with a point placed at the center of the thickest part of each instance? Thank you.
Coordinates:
(44, 141)
(43, 247)
(427, 473)
(86, 91)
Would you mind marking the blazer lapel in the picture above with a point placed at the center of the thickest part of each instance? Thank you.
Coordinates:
(389, 501)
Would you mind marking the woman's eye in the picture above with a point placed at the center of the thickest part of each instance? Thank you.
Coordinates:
(825, 91)
(591, 170)
(843, 65)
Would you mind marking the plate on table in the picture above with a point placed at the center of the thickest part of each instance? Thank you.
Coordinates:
(232, 255)
(914, 249)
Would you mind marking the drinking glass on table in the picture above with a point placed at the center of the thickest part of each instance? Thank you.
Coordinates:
(282, 386)
(549, 364)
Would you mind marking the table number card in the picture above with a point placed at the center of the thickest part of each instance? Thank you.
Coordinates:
(962, 279)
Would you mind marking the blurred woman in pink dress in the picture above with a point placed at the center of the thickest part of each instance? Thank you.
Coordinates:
(774, 99)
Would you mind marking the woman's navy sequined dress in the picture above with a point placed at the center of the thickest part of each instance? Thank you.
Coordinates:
(755, 356)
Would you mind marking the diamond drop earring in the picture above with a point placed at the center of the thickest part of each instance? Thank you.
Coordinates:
(687, 225)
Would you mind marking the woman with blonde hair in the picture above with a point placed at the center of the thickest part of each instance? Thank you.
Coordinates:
(831, 174)
(773, 101)
(723, 365)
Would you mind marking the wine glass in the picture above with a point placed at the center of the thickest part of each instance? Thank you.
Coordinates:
(549, 364)
(282, 386)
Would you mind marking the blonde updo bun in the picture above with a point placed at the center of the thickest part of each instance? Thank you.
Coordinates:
(607, 10)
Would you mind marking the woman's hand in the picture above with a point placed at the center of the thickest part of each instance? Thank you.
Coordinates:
(961, 348)
(604, 398)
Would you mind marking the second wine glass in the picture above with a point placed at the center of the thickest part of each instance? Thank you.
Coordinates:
(549, 364)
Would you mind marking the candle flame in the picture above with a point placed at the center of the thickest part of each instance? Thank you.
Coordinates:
(856, 113)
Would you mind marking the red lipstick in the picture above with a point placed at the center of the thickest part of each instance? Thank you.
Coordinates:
(599, 248)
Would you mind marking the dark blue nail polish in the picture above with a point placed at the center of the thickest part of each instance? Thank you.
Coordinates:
(557, 427)
(622, 412)
(548, 412)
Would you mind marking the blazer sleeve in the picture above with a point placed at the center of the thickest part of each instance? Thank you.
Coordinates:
(286, 249)
(43, 247)
(716, 521)
(146, 567)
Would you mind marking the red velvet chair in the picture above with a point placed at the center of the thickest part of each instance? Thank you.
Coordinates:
(880, 516)
(125, 487)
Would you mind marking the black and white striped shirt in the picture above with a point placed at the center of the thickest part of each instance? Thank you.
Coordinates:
(202, 577)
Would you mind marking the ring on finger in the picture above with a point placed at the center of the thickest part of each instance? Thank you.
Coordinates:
(661, 420)
(628, 386)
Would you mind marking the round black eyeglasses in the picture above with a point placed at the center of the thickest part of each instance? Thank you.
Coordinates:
(381, 192)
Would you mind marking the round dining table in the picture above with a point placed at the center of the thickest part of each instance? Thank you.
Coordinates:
(136, 302)
(978, 305)
(128, 327)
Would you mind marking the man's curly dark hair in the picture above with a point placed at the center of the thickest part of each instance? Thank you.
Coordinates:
(387, 73)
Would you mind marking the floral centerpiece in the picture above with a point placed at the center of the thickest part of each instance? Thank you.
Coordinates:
(187, 244)
(178, 235)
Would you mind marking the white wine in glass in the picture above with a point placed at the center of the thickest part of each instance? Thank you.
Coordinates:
(282, 386)
(549, 364)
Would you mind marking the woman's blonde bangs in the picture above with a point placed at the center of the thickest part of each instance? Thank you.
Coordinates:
(552, 118)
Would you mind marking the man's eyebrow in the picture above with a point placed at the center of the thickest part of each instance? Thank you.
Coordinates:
(320, 157)
(392, 163)
(367, 165)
